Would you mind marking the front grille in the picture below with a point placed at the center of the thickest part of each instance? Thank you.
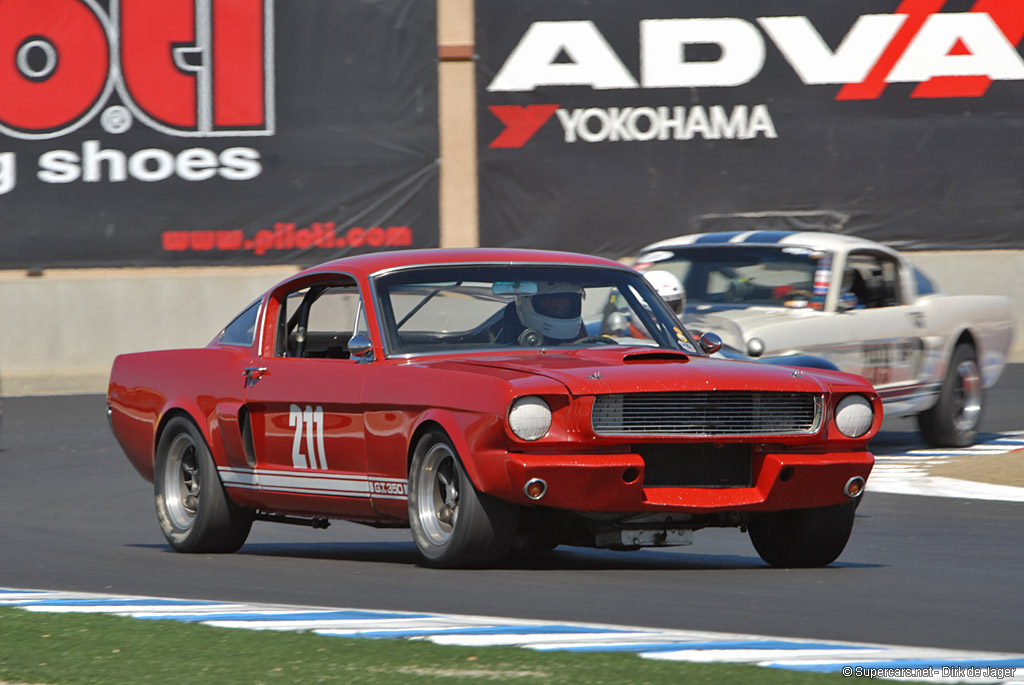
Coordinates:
(707, 414)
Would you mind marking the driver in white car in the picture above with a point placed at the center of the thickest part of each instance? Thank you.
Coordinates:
(670, 289)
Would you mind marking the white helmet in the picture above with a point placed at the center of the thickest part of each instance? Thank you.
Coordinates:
(555, 311)
(669, 287)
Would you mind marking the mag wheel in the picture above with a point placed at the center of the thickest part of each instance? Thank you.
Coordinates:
(452, 523)
(194, 512)
(953, 420)
(802, 538)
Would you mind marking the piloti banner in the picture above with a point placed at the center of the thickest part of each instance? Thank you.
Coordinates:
(611, 124)
(135, 132)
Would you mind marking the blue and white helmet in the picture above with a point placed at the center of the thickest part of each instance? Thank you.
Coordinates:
(669, 287)
(555, 311)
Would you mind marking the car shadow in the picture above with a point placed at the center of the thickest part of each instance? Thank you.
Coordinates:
(560, 559)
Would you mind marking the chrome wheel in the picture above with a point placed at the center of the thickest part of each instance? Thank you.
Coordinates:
(181, 481)
(453, 523)
(954, 418)
(438, 508)
(192, 507)
(966, 396)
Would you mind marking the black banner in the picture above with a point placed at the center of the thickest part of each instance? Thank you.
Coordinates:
(604, 126)
(135, 132)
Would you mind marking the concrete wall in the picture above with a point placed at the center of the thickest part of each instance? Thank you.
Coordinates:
(60, 331)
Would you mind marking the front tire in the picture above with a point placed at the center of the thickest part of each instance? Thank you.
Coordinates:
(953, 420)
(453, 524)
(802, 538)
(194, 512)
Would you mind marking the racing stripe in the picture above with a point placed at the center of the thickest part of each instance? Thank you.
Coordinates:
(716, 238)
(767, 236)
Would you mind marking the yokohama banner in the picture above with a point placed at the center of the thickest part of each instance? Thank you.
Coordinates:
(135, 132)
(604, 126)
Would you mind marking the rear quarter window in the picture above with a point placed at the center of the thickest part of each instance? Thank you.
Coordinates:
(242, 331)
(924, 284)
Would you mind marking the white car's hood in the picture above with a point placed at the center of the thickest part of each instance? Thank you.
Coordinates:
(735, 325)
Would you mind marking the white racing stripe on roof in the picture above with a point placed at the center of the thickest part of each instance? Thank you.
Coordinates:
(454, 629)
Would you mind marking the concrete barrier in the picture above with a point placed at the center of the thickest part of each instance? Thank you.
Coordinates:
(60, 331)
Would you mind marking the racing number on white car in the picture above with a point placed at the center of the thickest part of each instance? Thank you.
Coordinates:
(313, 421)
(877, 364)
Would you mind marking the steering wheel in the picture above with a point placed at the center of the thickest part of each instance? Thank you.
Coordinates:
(596, 339)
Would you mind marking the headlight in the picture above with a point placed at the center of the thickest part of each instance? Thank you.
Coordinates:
(529, 418)
(854, 415)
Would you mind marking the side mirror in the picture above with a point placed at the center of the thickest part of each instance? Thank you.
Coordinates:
(360, 347)
(710, 342)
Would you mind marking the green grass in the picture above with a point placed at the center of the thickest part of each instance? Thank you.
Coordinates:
(95, 648)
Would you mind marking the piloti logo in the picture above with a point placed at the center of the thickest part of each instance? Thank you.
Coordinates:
(195, 68)
(947, 54)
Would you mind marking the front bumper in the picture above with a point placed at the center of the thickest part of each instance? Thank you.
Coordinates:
(615, 483)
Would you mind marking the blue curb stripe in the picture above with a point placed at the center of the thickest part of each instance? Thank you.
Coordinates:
(698, 646)
(483, 630)
(354, 615)
(936, 664)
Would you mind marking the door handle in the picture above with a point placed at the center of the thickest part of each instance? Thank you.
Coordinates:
(253, 374)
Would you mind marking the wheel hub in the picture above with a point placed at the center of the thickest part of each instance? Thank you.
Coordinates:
(966, 398)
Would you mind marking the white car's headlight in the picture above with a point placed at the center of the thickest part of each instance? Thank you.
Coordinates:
(854, 415)
(529, 418)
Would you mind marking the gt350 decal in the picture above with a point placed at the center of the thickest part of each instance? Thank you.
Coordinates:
(397, 488)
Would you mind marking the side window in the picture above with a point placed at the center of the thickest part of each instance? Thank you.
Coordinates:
(317, 321)
(874, 280)
(924, 284)
(242, 331)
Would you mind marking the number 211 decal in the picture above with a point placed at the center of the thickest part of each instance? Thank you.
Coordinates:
(313, 420)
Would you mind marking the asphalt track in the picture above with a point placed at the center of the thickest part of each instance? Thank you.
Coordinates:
(927, 571)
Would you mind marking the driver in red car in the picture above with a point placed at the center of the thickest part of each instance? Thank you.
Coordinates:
(552, 315)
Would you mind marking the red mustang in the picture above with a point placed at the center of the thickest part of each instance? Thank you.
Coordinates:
(490, 400)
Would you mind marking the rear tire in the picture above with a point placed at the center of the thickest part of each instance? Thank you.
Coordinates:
(954, 418)
(194, 512)
(453, 524)
(802, 538)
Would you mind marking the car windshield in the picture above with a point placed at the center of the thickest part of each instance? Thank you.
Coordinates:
(743, 275)
(430, 310)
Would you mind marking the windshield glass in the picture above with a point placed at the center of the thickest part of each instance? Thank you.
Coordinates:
(743, 275)
(473, 307)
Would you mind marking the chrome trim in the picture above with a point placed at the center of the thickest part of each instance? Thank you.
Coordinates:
(257, 333)
(302, 275)
(859, 481)
(733, 413)
(374, 295)
(494, 262)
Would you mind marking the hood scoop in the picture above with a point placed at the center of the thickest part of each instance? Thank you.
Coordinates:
(655, 357)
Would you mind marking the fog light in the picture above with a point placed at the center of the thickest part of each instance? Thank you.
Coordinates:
(854, 487)
(535, 488)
